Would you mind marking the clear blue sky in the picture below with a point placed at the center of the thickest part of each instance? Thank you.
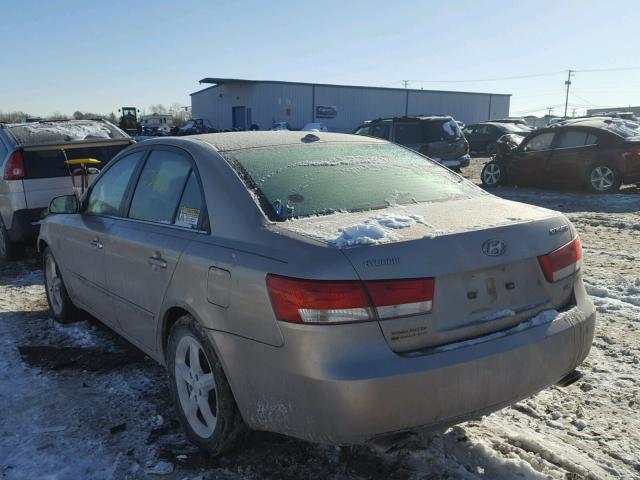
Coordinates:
(100, 55)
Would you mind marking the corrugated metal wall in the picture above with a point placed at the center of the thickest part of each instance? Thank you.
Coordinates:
(355, 105)
(295, 103)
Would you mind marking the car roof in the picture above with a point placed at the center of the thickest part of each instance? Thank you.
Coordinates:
(228, 141)
(414, 118)
(62, 132)
(594, 122)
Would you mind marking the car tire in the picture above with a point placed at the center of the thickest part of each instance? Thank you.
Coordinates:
(603, 179)
(491, 148)
(60, 304)
(493, 174)
(201, 394)
(9, 250)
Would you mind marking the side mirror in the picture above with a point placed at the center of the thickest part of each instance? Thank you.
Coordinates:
(64, 204)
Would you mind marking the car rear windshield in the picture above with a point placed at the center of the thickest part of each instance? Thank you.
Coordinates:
(68, 131)
(51, 163)
(441, 130)
(295, 181)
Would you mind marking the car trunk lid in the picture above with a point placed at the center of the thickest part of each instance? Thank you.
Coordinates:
(475, 293)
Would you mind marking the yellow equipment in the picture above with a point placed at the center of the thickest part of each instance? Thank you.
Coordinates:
(83, 171)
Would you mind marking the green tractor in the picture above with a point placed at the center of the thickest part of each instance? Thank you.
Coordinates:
(129, 120)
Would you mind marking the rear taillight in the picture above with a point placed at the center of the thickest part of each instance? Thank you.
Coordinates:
(563, 262)
(635, 152)
(401, 298)
(322, 302)
(14, 170)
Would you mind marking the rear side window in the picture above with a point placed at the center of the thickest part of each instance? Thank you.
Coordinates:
(576, 138)
(190, 207)
(409, 133)
(51, 163)
(160, 187)
(107, 193)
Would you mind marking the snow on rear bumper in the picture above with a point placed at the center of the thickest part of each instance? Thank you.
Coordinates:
(340, 389)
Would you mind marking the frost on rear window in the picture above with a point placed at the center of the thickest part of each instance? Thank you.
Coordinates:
(295, 181)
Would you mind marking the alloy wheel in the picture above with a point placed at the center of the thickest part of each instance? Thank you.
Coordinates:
(492, 173)
(602, 178)
(196, 386)
(54, 285)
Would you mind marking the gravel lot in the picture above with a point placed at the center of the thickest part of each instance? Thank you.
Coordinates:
(79, 402)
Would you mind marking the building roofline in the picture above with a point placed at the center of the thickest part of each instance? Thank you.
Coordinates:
(221, 81)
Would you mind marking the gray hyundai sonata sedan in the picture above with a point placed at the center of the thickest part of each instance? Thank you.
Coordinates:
(330, 287)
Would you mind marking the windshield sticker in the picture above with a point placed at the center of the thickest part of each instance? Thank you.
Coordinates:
(188, 217)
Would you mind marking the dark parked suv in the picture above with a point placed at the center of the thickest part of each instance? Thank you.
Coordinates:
(440, 138)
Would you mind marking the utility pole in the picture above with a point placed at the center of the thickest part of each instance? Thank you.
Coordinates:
(573, 112)
(550, 110)
(568, 84)
(406, 83)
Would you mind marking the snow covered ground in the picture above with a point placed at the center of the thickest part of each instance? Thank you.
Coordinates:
(78, 402)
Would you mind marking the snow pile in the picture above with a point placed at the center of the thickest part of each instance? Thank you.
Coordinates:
(376, 230)
(617, 294)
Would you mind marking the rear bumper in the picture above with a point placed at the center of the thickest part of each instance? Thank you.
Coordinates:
(460, 162)
(25, 224)
(345, 387)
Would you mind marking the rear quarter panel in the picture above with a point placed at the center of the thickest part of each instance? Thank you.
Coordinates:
(11, 199)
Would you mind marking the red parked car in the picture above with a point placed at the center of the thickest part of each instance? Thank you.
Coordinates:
(597, 153)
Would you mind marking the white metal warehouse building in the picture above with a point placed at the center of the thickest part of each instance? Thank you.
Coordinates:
(236, 103)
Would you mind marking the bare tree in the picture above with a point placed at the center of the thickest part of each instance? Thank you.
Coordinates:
(57, 115)
(13, 117)
(159, 108)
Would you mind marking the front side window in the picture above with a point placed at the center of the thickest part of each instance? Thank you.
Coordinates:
(380, 131)
(364, 130)
(483, 130)
(160, 187)
(108, 192)
(539, 143)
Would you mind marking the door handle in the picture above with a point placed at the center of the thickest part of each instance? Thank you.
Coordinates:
(97, 244)
(157, 261)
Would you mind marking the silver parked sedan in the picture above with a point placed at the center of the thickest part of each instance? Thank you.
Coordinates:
(330, 287)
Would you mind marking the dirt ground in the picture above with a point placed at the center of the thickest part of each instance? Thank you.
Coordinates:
(79, 402)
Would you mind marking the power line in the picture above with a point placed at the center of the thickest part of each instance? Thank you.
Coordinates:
(518, 77)
(585, 100)
(621, 69)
